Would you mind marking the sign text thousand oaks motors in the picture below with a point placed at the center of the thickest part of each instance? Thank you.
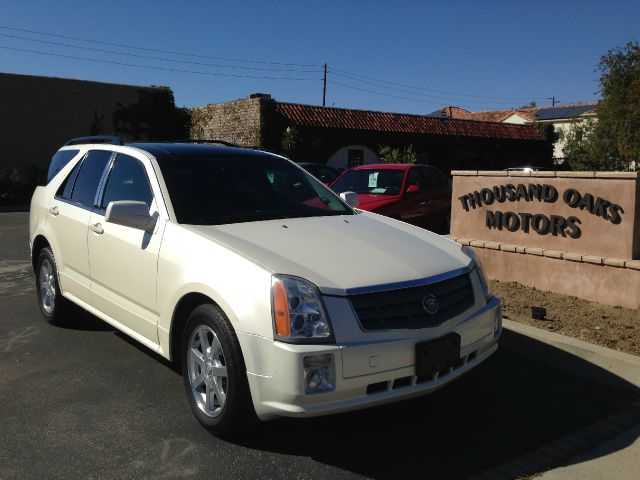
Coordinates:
(539, 223)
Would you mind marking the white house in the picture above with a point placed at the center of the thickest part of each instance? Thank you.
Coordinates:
(561, 116)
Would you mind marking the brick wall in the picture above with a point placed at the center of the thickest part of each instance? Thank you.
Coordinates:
(239, 121)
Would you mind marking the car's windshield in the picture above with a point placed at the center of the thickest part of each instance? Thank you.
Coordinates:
(212, 191)
(381, 181)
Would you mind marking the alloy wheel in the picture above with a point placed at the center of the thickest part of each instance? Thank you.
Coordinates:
(207, 371)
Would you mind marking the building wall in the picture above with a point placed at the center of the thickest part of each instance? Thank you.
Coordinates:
(255, 121)
(562, 128)
(39, 114)
(517, 119)
(340, 158)
(239, 122)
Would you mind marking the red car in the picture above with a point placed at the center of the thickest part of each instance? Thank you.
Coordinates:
(416, 194)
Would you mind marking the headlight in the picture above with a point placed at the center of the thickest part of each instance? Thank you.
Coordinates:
(298, 313)
(478, 266)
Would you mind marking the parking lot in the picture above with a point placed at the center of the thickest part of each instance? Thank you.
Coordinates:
(86, 401)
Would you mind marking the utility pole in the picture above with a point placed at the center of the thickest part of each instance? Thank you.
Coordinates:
(553, 101)
(324, 87)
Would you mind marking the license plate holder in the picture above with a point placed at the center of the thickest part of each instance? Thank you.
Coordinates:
(437, 355)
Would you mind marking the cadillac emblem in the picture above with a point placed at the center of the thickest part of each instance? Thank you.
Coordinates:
(430, 303)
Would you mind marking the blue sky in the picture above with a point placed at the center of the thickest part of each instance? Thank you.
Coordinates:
(404, 56)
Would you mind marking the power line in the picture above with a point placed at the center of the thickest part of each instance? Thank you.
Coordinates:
(150, 67)
(381, 93)
(156, 50)
(353, 77)
(438, 97)
(467, 104)
(345, 73)
(164, 59)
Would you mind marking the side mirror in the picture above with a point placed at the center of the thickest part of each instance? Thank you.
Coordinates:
(130, 213)
(413, 189)
(350, 198)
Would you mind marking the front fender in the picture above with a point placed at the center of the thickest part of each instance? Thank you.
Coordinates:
(191, 263)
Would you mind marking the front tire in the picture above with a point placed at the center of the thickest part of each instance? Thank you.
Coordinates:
(214, 373)
(53, 305)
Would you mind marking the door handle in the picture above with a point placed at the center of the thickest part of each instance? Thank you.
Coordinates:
(97, 228)
(54, 211)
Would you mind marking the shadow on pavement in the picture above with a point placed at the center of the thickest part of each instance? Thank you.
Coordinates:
(79, 319)
(508, 406)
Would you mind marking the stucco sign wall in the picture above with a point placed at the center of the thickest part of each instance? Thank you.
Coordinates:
(585, 212)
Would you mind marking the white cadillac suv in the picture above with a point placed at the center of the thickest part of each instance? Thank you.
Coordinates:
(274, 295)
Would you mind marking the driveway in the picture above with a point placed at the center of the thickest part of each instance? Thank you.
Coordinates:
(86, 401)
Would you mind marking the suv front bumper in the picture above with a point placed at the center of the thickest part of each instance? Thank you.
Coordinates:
(389, 366)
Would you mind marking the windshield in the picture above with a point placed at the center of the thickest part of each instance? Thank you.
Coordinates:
(377, 181)
(213, 191)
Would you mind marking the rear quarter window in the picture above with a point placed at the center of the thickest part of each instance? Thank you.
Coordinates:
(58, 162)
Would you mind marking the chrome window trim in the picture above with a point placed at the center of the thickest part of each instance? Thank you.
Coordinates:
(103, 180)
(339, 292)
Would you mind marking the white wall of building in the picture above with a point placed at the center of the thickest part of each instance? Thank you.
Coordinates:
(515, 118)
(562, 129)
(340, 159)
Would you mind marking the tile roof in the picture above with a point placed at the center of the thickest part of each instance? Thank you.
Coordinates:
(531, 114)
(328, 117)
(452, 111)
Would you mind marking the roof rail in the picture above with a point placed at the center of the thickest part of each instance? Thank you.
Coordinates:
(204, 140)
(112, 140)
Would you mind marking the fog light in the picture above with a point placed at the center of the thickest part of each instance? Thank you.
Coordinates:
(497, 321)
(319, 374)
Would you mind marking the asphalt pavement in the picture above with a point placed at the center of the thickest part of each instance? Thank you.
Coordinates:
(85, 401)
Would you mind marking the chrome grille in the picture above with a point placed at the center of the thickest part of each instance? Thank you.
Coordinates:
(403, 308)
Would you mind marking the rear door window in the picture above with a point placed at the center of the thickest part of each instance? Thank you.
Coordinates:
(88, 179)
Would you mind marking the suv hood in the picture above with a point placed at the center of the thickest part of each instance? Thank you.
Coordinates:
(339, 253)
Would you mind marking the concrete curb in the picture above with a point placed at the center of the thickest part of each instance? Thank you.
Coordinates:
(610, 447)
(622, 365)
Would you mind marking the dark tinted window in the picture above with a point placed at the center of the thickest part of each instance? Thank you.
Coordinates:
(84, 191)
(435, 178)
(127, 181)
(209, 191)
(66, 187)
(59, 161)
(327, 175)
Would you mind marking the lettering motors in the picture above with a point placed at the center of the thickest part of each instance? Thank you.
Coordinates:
(537, 222)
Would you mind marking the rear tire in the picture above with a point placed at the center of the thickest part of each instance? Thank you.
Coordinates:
(214, 373)
(53, 305)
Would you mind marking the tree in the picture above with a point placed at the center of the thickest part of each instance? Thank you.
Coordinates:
(613, 142)
(528, 105)
(389, 154)
(578, 147)
(290, 141)
(549, 135)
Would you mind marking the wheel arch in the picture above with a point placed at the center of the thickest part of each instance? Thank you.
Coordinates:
(181, 312)
(39, 243)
